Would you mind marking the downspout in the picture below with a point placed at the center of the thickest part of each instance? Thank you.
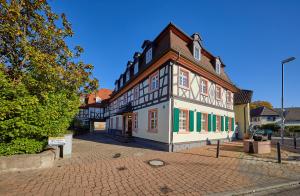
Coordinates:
(172, 103)
(245, 131)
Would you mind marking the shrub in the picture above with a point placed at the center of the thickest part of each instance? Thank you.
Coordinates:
(41, 77)
(22, 146)
(292, 129)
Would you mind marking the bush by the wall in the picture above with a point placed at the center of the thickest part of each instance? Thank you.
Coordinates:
(22, 146)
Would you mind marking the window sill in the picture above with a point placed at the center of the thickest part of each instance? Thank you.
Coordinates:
(184, 87)
(152, 130)
(183, 132)
(205, 94)
(152, 90)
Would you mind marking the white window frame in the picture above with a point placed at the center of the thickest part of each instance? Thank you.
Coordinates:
(148, 55)
(202, 88)
(218, 87)
(228, 93)
(98, 100)
(136, 92)
(154, 81)
(153, 119)
(182, 77)
(218, 66)
(197, 53)
(204, 120)
(183, 120)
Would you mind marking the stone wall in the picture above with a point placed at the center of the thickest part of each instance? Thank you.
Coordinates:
(28, 161)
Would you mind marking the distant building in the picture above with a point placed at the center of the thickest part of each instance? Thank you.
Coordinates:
(92, 109)
(292, 116)
(242, 100)
(263, 115)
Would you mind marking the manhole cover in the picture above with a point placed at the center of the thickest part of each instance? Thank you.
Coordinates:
(156, 163)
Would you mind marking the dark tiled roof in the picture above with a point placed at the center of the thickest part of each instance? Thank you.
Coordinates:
(291, 114)
(243, 97)
(263, 111)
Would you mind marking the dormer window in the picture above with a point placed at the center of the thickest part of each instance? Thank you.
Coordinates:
(218, 66)
(197, 53)
(136, 68)
(127, 75)
(98, 100)
(148, 55)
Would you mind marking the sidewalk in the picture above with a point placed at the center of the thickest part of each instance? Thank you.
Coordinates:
(94, 169)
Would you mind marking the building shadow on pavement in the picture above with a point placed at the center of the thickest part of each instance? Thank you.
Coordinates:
(104, 138)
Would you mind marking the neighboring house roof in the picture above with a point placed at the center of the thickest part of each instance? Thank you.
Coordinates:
(291, 114)
(103, 94)
(243, 97)
(263, 111)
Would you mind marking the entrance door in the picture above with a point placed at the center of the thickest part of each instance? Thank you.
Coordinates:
(129, 125)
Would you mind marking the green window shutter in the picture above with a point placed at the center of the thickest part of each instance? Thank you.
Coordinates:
(232, 124)
(209, 122)
(191, 118)
(198, 121)
(176, 120)
(226, 123)
(222, 123)
(214, 122)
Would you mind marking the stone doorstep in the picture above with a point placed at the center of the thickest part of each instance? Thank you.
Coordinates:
(246, 191)
(25, 162)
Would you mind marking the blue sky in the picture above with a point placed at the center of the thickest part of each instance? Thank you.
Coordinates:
(252, 37)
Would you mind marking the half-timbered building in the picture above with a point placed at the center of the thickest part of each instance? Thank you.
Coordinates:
(93, 107)
(173, 94)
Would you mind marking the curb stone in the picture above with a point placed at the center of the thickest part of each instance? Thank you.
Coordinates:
(259, 190)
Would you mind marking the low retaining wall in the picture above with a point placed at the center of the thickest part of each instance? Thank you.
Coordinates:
(24, 162)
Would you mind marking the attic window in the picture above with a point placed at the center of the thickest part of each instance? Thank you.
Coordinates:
(149, 55)
(98, 100)
(197, 53)
(218, 66)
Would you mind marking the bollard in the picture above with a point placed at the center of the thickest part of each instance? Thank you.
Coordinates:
(61, 151)
(218, 148)
(278, 152)
(295, 141)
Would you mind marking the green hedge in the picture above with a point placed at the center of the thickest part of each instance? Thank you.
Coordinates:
(22, 146)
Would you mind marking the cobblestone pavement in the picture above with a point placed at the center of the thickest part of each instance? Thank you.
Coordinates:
(96, 168)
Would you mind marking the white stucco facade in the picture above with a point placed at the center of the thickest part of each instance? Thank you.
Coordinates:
(163, 129)
(202, 135)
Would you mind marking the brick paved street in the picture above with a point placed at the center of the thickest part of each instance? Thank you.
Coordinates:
(93, 170)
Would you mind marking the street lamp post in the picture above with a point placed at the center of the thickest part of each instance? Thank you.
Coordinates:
(282, 86)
